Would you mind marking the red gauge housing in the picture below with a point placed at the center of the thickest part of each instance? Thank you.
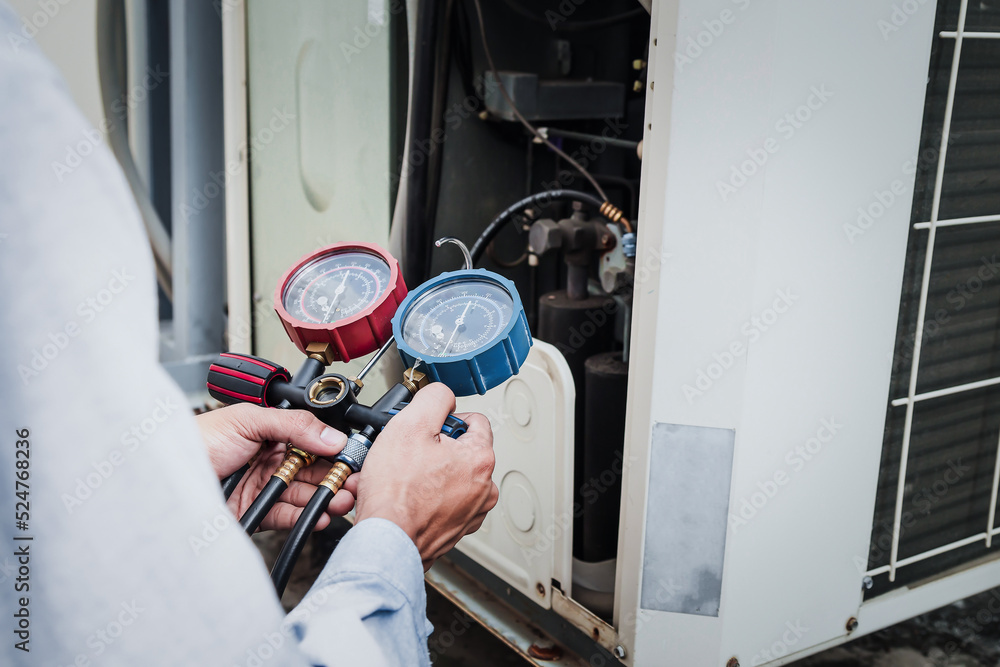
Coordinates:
(355, 336)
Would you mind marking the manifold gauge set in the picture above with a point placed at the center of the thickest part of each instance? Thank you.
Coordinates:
(465, 328)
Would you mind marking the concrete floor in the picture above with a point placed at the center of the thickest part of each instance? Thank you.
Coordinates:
(965, 634)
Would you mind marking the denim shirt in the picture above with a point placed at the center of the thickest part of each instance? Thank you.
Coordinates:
(133, 557)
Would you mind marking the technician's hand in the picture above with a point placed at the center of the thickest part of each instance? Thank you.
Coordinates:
(233, 435)
(435, 488)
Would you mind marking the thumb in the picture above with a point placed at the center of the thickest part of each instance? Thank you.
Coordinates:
(427, 410)
(298, 427)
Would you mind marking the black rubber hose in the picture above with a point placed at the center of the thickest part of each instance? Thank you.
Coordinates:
(538, 199)
(230, 483)
(296, 541)
(435, 156)
(262, 504)
(416, 243)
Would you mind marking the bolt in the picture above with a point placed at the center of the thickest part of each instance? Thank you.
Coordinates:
(733, 662)
(619, 652)
(868, 582)
(852, 624)
(540, 587)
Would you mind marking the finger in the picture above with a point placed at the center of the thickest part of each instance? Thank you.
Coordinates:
(315, 473)
(427, 411)
(341, 504)
(298, 493)
(480, 431)
(298, 427)
(352, 484)
(283, 516)
(265, 460)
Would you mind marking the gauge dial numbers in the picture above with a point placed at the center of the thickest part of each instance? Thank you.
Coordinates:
(456, 319)
(465, 328)
(335, 287)
(344, 295)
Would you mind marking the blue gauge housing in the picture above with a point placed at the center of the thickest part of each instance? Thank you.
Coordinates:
(479, 370)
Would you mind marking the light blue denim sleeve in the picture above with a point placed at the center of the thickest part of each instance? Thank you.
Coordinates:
(375, 583)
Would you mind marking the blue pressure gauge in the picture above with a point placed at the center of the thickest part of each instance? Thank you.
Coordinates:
(464, 328)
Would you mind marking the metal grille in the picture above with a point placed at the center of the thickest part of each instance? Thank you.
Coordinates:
(936, 505)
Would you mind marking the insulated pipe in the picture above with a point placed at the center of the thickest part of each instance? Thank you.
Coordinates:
(416, 249)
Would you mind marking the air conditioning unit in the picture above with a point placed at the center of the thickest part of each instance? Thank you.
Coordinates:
(813, 388)
(811, 451)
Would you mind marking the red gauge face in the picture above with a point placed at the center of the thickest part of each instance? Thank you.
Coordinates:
(344, 295)
(333, 287)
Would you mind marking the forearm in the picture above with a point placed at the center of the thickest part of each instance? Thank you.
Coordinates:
(372, 591)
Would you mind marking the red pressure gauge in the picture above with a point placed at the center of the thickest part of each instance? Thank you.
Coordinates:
(344, 294)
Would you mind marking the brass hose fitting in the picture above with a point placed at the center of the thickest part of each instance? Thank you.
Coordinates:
(350, 459)
(414, 380)
(294, 461)
(337, 476)
(321, 352)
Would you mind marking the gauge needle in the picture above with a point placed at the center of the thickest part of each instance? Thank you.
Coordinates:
(336, 295)
(458, 325)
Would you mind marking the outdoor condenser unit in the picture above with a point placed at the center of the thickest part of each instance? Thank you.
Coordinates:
(819, 184)
(813, 422)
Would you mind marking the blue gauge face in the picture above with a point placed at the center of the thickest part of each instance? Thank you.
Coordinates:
(457, 318)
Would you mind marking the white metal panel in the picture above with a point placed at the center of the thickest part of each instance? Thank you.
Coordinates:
(239, 300)
(779, 321)
(319, 139)
(527, 540)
